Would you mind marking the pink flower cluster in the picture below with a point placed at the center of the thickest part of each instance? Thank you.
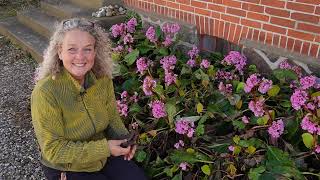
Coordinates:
(184, 126)
(127, 39)
(276, 129)
(179, 144)
(148, 85)
(151, 34)
(205, 64)
(142, 64)
(236, 59)
(245, 119)
(122, 29)
(183, 166)
(264, 85)
(317, 149)
(170, 30)
(224, 75)
(308, 125)
(168, 64)
(285, 65)
(225, 89)
(122, 105)
(308, 82)
(119, 48)
(298, 99)
(193, 53)
(158, 109)
(257, 107)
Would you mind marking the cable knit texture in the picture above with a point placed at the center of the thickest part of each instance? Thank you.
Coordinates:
(72, 124)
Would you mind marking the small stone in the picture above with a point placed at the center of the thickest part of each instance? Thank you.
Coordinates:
(94, 14)
(101, 13)
(110, 7)
(109, 13)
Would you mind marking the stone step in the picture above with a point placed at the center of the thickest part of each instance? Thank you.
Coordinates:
(92, 4)
(25, 37)
(38, 21)
(64, 9)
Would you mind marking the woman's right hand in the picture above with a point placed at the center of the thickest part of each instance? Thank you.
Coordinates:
(116, 149)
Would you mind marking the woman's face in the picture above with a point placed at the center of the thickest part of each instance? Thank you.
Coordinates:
(77, 53)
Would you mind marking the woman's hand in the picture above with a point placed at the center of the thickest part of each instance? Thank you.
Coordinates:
(116, 149)
(131, 153)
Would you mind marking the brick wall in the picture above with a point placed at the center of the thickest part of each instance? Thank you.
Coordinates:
(290, 24)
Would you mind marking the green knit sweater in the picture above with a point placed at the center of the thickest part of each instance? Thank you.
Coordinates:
(72, 124)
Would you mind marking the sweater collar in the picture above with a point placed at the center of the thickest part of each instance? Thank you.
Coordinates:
(89, 80)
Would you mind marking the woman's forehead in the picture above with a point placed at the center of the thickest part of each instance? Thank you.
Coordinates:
(77, 36)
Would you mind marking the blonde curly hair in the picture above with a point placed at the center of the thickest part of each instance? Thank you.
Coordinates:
(52, 65)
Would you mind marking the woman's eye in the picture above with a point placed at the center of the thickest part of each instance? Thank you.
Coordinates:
(72, 50)
(88, 50)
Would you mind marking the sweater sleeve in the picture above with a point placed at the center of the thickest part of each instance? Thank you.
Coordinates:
(49, 130)
(116, 128)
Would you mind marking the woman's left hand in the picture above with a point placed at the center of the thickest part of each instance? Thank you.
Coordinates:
(131, 153)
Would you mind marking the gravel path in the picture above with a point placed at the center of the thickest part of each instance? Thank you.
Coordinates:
(19, 158)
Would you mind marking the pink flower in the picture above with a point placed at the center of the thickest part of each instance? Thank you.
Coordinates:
(307, 125)
(142, 64)
(118, 30)
(193, 52)
(298, 99)
(170, 78)
(183, 126)
(191, 63)
(124, 95)
(128, 39)
(297, 70)
(167, 42)
(134, 98)
(168, 63)
(245, 119)
(151, 34)
(183, 166)
(179, 144)
(205, 64)
(119, 48)
(148, 85)
(284, 65)
(231, 148)
(170, 28)
(311, 106)
(265, 86)
(122, 108)
(276, 129)
(131, 25)
(224, 75)
(130, 49)
(317, 149)
(158, 109)
(307, 82)
(257, 107)
(235, 58)
(225, 89)
(251, 82)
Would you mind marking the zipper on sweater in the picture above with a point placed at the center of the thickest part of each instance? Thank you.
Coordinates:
(85, 106)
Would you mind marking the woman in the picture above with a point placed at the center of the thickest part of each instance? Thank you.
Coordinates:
(74, 111)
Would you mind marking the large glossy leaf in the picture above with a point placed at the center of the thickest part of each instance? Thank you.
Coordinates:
(255, 173)
(283, 74)
(135, 108)
(171, 111)
(308, 140)
(131, 57)
(206, 169)
(178, 157)
(274, 91)
(130, 84)
(140, 156)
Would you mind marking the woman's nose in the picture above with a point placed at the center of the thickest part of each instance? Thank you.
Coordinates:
(80, 55)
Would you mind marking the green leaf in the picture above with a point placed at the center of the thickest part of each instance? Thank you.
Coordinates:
(277, 157)
(206, 169)
(170, 89)
(200, 130)
(130, 84)
(238, 124)
(178, 157)
(199, 108)
(236, 139)
(159, 90)
(131, 57)
(285, 104)
(158, 31)
(135, 108)
(255, 173)
(262, 121)
(140, 156)
(178, 176)
(283, 74)
(252, 68)
(220, 148)
(144, 49)
(315, 94)
(240, 87)
(163, 51)
(274, 90)
(308, 140)
(171, 111)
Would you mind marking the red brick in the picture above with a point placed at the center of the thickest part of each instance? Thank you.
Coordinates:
(232, 32)
(216, 8)
(215, 15)
(244, 32)
(207, 25)
(253, 7)
(216, 27)
(277, 12)
(305, 17)
(230, 18)
(237, 35)
(257, 16)
(276, 40)
(160, 2)
(269, 38)
(309, 28)
(300, 7)
(315, 2)
(226, 31)
(314, 50)
(199, 4)
(202, 28)
(282, 22)
(186, 8)
(185, 17)
(212, 27)
(232, 3)
(172, 5)
(317, 39)
(273, 3)
(252, 1)
(202, 12)
(187, 2)
(301, 35)
(250, 23)
(290, 44)
(216, 1)
(297, 46)
(305, 48)
(262, 36)
(221, 29)
(318, 10)
(276, 29)
(256, 35)
(283, 42)
(236, 12)
(197, 18)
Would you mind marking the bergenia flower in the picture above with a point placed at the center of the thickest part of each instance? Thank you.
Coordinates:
(184, 126)
(191, 63)
(142, 64)
(307, 82)
(265, 86)
(131, 25)
(170, 78)
(127, 39)
(236, 59)
(193, 52)
(309, 126)
(118, 30)
(276, 129)
(284, 65)
(148, 85)
(158, 109)
(183, 166)
(179, 144)
(151, 34)
(245, 119)
(257, 107)
(251, 82)
(205, 64)
(298, 99)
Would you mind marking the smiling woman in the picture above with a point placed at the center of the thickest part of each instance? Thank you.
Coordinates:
(73, 108)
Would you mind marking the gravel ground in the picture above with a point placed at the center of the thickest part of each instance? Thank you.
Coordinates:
(19, 157)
